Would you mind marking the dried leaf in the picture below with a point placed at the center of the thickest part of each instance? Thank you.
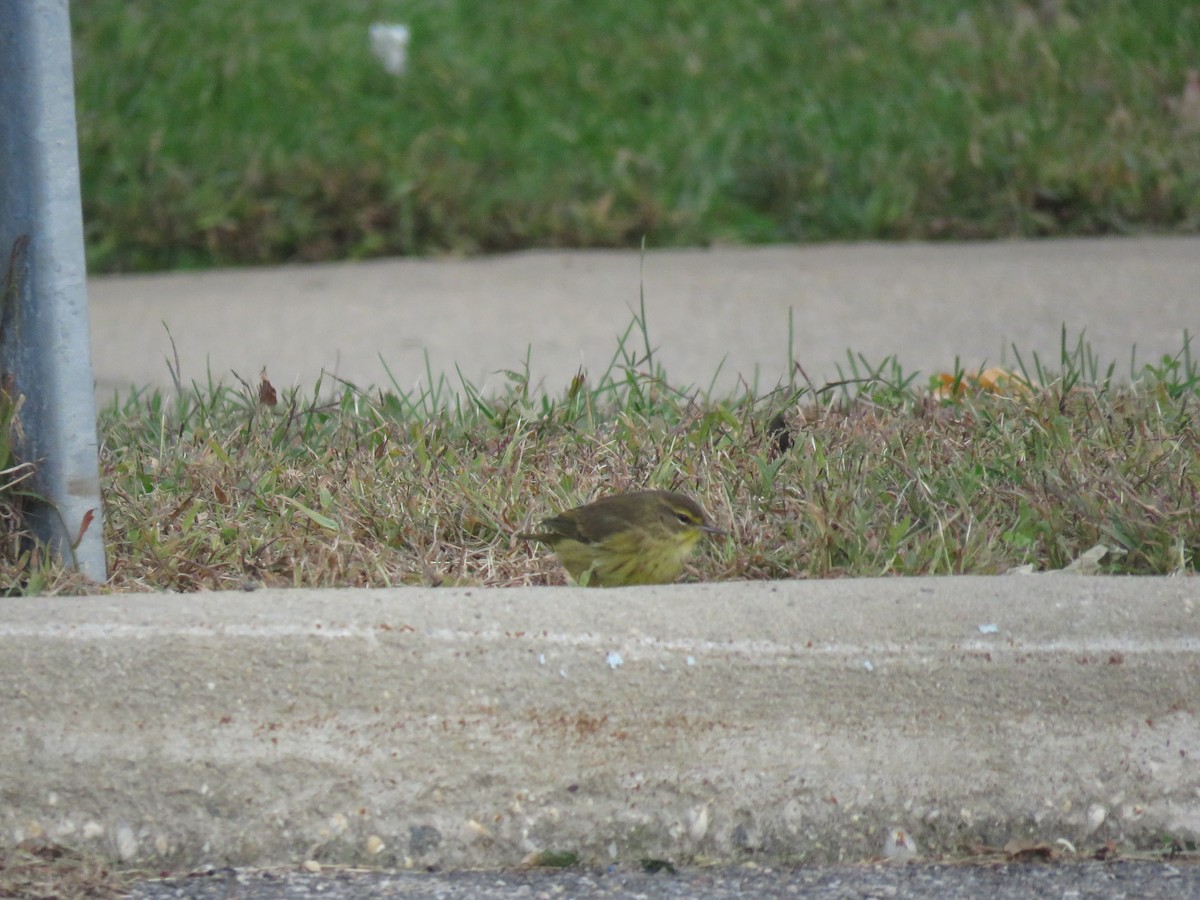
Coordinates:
(1024, 850)
(779, 433)
(266, 390)
(995, 380)
(1089, 562)
(85, 523)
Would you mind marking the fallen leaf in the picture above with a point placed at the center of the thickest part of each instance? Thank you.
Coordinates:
(1024, 850)
(990, 381)
(85, 523)
(266, 390)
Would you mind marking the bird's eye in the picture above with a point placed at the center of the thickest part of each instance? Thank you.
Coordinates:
(684, 518)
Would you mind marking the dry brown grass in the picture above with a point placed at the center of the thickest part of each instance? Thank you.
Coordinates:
(37, 870)
(215, 489)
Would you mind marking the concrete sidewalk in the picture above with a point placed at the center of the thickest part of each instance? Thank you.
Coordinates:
(927, 304)
(789, 720)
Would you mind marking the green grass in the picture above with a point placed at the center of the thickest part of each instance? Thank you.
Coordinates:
(233, 132)
(875, 475)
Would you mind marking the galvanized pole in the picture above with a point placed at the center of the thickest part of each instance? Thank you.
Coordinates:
(45, 353)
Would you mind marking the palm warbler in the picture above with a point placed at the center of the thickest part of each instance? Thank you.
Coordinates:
(637, 538)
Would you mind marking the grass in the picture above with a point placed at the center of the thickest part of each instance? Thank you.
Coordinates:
(880, 474)
(38, 869)
(232, 132)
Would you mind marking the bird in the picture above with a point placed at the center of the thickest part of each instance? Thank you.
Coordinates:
(640, 537)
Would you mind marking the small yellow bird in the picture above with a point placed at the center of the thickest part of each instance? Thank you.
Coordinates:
(641, 537)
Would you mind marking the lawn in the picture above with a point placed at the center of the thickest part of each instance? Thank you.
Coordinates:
(1052, 465)
(232, 132)
(254, 133)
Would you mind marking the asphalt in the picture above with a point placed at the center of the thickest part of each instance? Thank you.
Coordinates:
(798, 720)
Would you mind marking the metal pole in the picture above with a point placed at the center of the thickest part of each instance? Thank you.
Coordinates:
(44, 348)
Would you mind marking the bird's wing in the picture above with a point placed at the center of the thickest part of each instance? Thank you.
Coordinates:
(601, 525)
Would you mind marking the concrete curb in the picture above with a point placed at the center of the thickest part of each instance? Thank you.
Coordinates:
(785, 720)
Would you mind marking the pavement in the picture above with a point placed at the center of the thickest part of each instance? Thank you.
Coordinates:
(719, 314)
(799, 721)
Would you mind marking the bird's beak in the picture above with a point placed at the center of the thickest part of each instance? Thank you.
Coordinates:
(713, 529)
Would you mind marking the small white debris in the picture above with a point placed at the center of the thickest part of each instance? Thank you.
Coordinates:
(127, 845)
(311, 865)
(1096, 814)
(92, 830)
(389, 43)
(691, 660)
(698, 823)
(479, 829)
(615, 660)
(899, 846)
(375, 845)
(868, 665)
(989, 629)
(541, 659)
(1187, 107)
